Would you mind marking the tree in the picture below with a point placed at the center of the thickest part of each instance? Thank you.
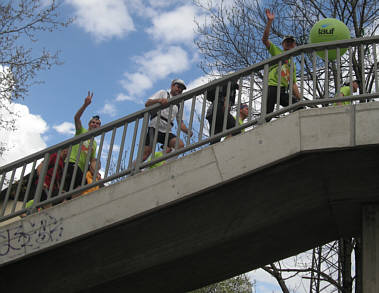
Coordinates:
(20, 23)
(230, 38)
(238, 284)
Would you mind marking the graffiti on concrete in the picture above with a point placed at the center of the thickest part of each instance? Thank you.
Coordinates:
(31, 234)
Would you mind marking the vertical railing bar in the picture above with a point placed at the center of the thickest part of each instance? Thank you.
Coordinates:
(155, 135)
(98, 158)
(326, 82)
(179, 122)
(278, 85)
(314, 80)
(41, 181)
(363, 81)
(239, 102)
(226, 105)
(18, 188)
(351, 68)
(2, 181)
(29, 184)
(110, 151)
(375, 69)
(290, 93)
(75, 166)
(302, 65)
(215, 106)
(63, 180)
(193, 105)
(251, 95)
(264, 96)
(87, 161)
(202, 118)
(52, 180)
(136, 124)
(141, 145)
(120, 154)
(338, 83)
(168, 127)
(5, 203)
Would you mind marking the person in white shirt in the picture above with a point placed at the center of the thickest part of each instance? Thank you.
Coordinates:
(162, 97)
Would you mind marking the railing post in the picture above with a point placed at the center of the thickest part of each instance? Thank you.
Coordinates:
(41, 181)
(264, 95)
(142, 141)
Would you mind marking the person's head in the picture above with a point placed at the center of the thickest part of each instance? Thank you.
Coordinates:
(244, 111)
(64, 153)
(177, 87)
(288, 43)
(94, 123)
(354, 85)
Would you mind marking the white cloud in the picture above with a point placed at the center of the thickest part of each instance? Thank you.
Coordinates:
(154, 65)
(176, 26)
(104, 19)
(136, 83)
(28, 136)
(67, 128)
(121, 97)
(109, 109)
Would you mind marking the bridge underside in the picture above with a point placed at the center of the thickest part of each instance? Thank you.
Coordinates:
(307, 200)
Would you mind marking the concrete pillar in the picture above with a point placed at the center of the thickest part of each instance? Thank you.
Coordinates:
(370, 249)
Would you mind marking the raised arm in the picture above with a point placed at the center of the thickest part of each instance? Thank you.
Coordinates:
(87, 101)
(266, 33)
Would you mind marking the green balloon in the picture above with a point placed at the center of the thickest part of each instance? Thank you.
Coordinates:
(327, 30)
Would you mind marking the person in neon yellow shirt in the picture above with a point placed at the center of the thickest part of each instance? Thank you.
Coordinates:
(244, 113)
(158, 155)
(345, 92)
(288, 43)
(93, 124)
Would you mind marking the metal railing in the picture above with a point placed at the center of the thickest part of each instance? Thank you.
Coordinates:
(121, 143)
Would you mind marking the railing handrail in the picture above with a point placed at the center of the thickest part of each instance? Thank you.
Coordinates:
(187, 95)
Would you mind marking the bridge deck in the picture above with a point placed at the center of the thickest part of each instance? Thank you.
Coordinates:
(270, 193)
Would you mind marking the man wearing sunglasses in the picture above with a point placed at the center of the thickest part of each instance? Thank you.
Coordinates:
(288, 43)
(94, 123)
(162, 97)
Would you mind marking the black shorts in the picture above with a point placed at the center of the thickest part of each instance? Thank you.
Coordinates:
(160, 139)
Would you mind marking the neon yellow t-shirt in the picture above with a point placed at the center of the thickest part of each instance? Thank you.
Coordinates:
(345, 90)
(285, 70)
(157, 155)
(84, 151)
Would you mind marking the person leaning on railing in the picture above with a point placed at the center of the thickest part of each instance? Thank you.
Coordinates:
(49, 177)
(221, 108)
(244, 113)
(345, 92)
(162, 97)
(288, 43)
(92, 124)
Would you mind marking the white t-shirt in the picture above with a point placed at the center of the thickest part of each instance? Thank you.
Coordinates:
(162, 94)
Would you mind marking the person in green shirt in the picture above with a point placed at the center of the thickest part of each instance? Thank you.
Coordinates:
(158, 155)
(288, 43)
(345, 91)
(94, 123)
(244, 112)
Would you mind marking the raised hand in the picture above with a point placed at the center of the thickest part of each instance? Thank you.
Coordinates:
(88, 99)
(270, 16)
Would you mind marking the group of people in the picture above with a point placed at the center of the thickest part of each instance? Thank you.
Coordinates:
(215, 115)
(73, 179)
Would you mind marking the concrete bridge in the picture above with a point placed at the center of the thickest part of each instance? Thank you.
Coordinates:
(270, 193)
